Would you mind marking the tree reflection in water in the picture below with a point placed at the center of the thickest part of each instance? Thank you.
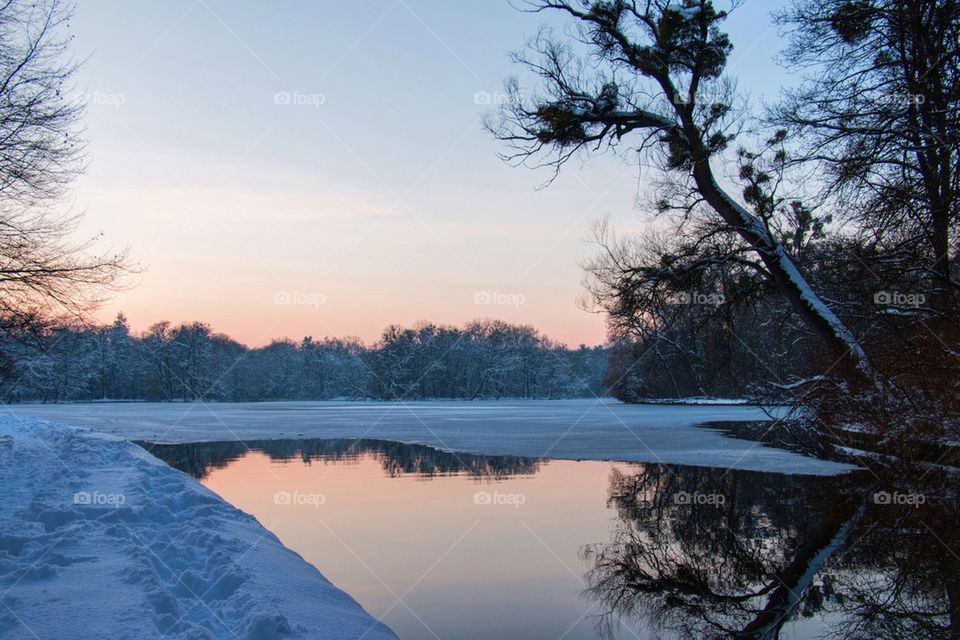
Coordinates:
(198, 459)
(711, 553)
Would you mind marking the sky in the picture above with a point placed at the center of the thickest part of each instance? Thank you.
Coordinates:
(320, 168)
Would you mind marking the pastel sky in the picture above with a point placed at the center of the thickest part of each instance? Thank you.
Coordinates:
(331, 155)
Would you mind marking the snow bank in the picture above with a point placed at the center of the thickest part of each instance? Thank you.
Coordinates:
(696, 400)
(101, 540)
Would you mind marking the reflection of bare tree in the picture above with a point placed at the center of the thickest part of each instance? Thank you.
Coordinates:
(715, 570)
(902, 577)
(397, 458)
(776, 548)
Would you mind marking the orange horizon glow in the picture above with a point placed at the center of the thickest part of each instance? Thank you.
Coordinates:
(250, 331)
(384, 195)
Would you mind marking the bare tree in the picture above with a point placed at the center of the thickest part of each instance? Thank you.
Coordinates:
(44, 275)
(879, 117)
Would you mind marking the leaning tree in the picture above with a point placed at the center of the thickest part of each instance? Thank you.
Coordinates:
(648, 75)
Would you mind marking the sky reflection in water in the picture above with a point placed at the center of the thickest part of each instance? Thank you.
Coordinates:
(462, 546)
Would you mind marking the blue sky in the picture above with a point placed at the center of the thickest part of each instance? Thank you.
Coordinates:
(332, 153)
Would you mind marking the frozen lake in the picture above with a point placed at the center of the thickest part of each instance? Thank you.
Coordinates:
(558, 429)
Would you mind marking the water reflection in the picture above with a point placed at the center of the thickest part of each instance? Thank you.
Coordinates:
(664, 550)
(854, 555)
(198, 459)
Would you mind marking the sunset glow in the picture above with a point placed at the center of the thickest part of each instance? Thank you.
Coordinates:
(338, 154)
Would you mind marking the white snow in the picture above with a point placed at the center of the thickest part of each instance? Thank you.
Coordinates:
(687, 12)
(695, 400)
(564, 429)
(101, 540)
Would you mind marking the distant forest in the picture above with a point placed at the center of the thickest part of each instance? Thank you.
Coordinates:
(483, 359)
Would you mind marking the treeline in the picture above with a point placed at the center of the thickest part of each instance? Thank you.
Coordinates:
(735, 352)
(484, 359)
(719, 333)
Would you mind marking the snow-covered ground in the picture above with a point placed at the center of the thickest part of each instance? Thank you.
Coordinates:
(694, 400)
(101, 540)
(563, 429)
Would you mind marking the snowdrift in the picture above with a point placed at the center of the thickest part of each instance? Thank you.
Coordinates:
(101, 540)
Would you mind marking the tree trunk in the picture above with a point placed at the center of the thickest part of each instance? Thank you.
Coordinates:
(812, 310)
(796, 580)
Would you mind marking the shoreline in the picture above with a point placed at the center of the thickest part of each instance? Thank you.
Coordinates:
(605, 430)
(101, 539)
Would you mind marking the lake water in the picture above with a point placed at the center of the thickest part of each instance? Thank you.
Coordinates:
(446, 545)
